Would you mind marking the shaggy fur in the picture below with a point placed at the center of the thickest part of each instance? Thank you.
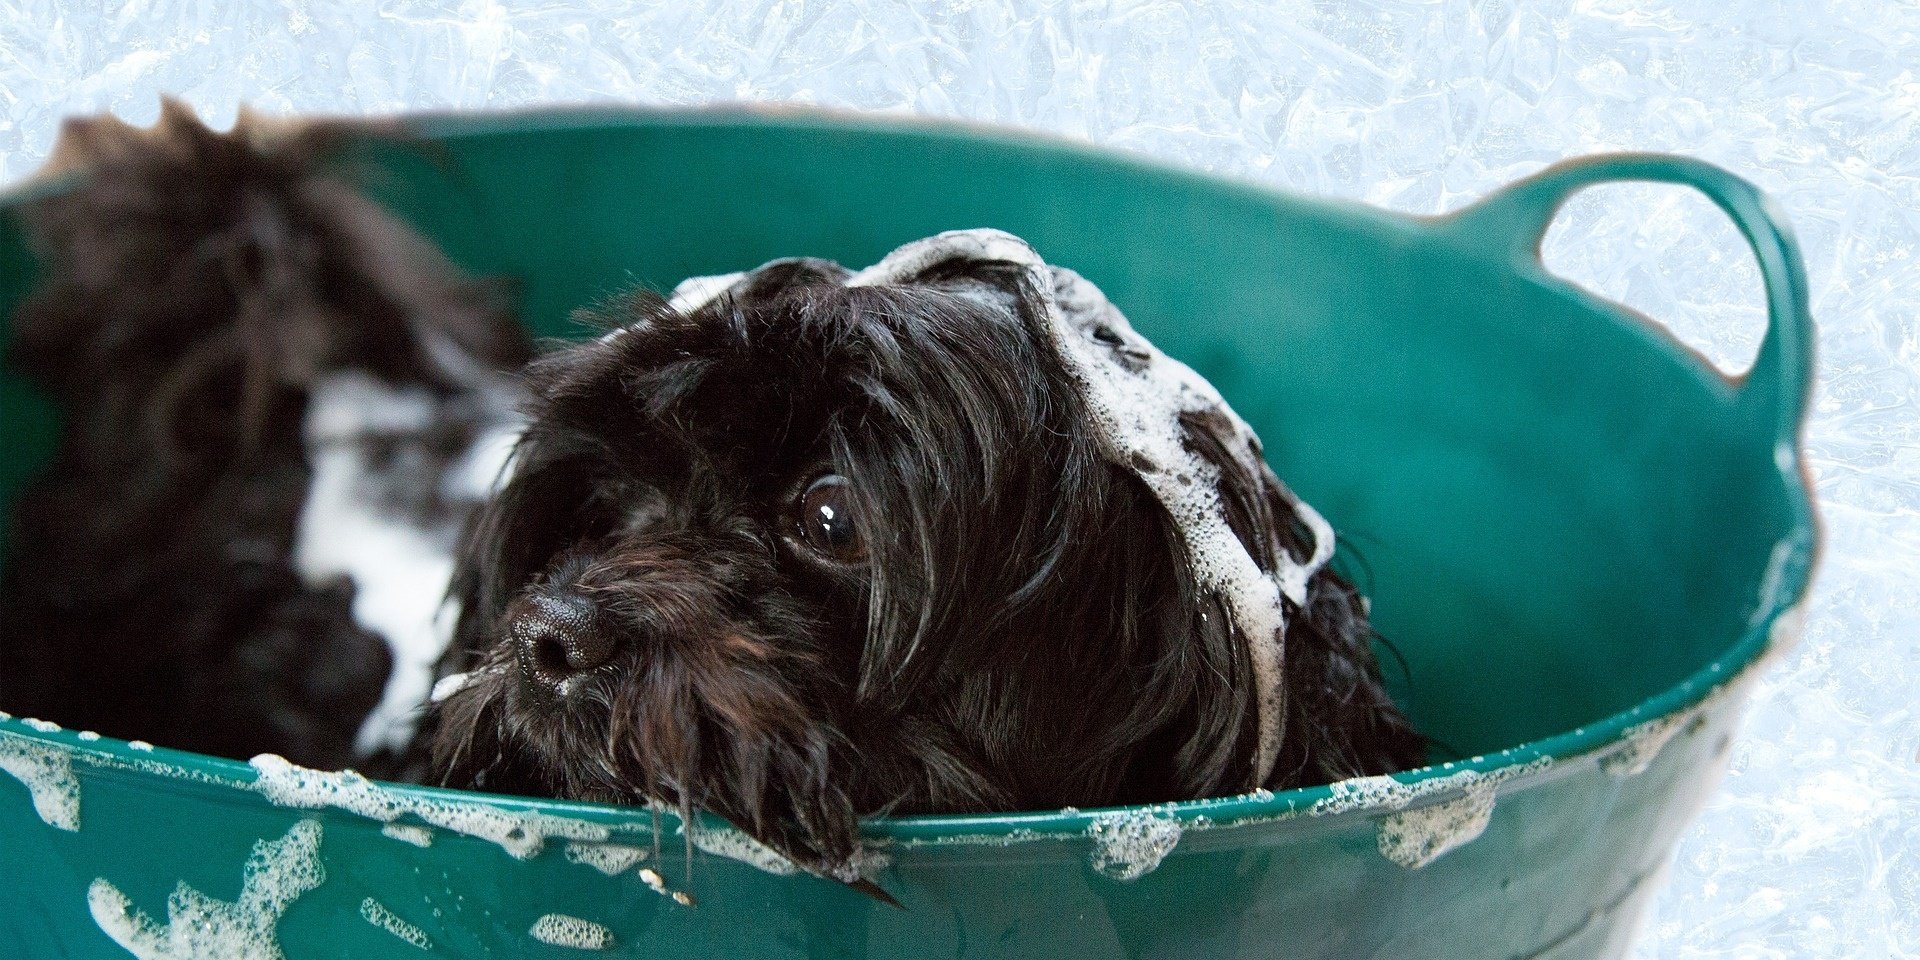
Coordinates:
(195, 288)
(1018, 626)
(973, 611)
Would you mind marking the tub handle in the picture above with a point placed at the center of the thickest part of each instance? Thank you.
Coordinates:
(1775, 388)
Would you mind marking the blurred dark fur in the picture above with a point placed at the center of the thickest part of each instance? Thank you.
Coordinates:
(194, 287)
(1025, 632)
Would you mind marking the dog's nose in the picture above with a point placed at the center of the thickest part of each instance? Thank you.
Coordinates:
(558, 634)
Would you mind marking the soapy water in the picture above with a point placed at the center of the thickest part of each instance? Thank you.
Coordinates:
(200, 927)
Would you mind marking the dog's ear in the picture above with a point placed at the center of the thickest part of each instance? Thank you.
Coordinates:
(1337, 719)
(1190, 726)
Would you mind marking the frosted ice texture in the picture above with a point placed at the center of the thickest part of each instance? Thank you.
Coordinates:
(1812, 846)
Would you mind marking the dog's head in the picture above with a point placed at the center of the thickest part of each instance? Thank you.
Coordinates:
(945, 534)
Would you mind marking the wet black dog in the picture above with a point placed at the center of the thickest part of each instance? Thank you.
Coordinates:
(796, 546)
(943, 535)
(278, 409)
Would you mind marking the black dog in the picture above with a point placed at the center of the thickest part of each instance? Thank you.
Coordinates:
(279, 407)
(797, 546)
(943, 535)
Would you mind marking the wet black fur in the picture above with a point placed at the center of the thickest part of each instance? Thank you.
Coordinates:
(192, 290)
(1027, 634)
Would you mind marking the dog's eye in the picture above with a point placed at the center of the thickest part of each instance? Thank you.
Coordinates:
(826, 520)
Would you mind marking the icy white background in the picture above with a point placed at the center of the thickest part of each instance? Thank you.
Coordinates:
(1812, 848)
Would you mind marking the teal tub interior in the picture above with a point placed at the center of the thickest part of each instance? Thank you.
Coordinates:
(1580, 536)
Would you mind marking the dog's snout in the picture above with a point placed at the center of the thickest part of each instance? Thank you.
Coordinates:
(558, 634)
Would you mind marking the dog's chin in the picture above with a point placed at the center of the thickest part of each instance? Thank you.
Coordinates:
(687, 733)
(502, 732)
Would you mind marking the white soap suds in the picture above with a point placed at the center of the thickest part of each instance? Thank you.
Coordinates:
(1642, 742)
(695, 292)
(1414, 838)
(140, 745)
(521, 834)
(1011, 838)
(868, 861)
(561, 930)
(201, 928)
(1127, 846)
(376, 913)
(44, 726)
(88, 736)
(47, 773)
(447, 686)
(735, 845)
(608, 858)
(1386, 793)
(108, 760)
(412, 833)
(688, 295)
(1138, 411)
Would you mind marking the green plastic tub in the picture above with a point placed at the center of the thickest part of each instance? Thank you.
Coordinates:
(1580, 535)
